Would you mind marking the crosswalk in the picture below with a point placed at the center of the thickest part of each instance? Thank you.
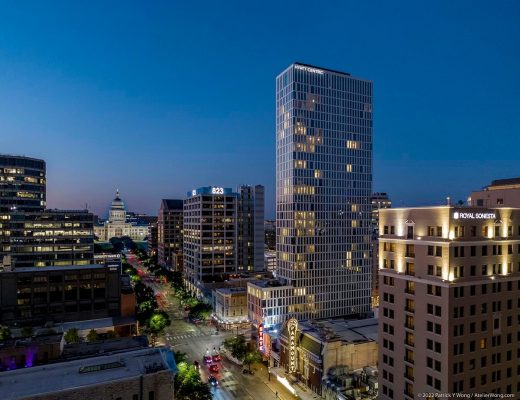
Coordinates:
(184, 336)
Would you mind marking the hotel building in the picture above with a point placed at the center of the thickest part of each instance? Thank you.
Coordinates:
(323, 189)
(379, 201)
(501, 192)
(448, 318)
(210, 237)
(169, 234)
(251, 230)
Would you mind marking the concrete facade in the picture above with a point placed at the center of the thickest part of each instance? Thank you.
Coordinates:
(449, 301)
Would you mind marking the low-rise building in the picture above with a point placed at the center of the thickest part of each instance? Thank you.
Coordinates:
(501, 193)
(309, 350)
(28, 352)
(145, 374)
(230, 306)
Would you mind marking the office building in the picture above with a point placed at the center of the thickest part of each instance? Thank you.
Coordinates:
(22, 188)
(501, 193)
(270, 234)
(30, 296)
(250, 229)
(448, 315)
(152, 245)
(169, 234)
(270, 261)
(323, 189)
(144, 374)
(378, 201)
(210, 237)
(120, 223)
(50, 238)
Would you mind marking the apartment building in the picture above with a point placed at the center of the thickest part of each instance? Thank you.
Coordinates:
(449, 305)
(169, 234)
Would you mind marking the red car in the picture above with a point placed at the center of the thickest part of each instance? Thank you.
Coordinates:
(216, 358)
(213, 368)
(207, 359)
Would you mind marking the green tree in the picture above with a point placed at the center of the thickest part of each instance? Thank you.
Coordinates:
(200, 310)
(252, 357)
(71, 336)
(92, 336)
(5, 333)
(158, 322)
(237, 346)
(180, 357)
(27, 331)
(188, 384)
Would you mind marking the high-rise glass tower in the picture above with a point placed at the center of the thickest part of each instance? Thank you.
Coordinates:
(323, 190)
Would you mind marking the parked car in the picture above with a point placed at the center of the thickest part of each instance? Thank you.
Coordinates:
(216, 358)
(212, 380)
(213, 368)
(207, 359)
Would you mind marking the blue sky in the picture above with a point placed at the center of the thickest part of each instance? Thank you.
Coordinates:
(157, 98)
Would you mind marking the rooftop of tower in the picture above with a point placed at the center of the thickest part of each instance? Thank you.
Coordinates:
(321, 68)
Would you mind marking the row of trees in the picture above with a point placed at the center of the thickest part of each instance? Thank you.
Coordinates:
(72, 336)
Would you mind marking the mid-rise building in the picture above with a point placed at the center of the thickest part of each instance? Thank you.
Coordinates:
(35, 295)
(250, 229)
(50, 238)
(379, 201)
(120, 223)
(169, 234)
(22, 188)
(135, 374)
(210, 237)
(270, 261)
(152, 246)
(449, 306)
(501, 193)
(323, 190)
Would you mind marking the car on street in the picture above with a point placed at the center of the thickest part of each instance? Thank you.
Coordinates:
(216, 358)
(212, 380)
(213, 368)
(207, 359)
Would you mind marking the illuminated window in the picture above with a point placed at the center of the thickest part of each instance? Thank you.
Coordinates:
(352, 144)
(349, 167)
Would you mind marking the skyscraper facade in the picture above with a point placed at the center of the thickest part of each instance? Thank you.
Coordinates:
(210, 237)
(323, 189)
(251, 230)
(169, 234)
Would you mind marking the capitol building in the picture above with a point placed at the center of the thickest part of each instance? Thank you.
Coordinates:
(120, 223)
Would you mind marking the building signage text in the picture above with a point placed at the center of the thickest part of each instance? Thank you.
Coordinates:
(309, 69)
(292, 327)
(473, 215)
(217, 190)
(261, 337)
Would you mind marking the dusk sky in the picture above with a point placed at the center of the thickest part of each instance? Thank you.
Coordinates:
(157, 98)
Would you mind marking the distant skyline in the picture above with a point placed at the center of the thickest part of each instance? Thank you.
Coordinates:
(158, 99)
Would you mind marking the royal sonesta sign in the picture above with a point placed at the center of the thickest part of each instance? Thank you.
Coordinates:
(474, 215)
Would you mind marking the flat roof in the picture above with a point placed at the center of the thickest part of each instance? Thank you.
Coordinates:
(352, 331)
(324, 69)
(70, 375)
(231, 290)
(59, 268)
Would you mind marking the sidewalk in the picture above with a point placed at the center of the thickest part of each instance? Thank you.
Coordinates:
(283, 393)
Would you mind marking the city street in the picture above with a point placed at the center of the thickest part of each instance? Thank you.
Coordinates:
(197, 340)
